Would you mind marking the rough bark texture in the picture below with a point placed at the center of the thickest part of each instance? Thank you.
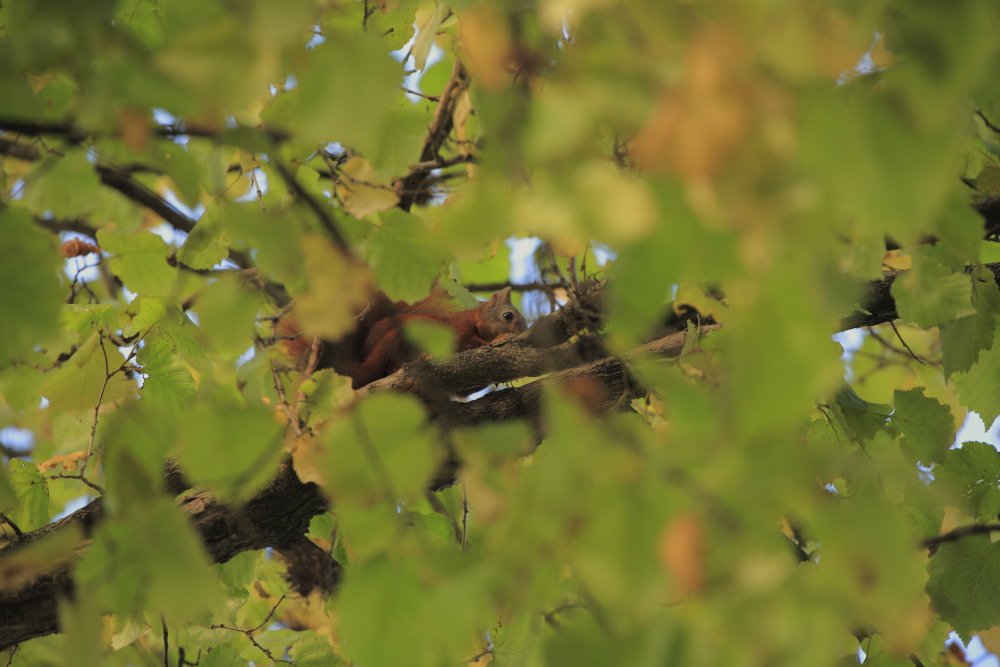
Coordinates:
(276, 517)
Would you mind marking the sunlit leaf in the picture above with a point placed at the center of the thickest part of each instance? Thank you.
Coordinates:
(964, 582)
(140, 260)
(30, 297)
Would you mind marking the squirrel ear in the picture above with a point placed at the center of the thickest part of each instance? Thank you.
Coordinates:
(503, 296)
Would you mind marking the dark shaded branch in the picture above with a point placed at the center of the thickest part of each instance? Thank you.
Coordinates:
(411, 187)
(20, 150)
(876, 305)
(989, 209)
(120, 180)
(933, 543)
(276, 517)
(322, 212)
(517, 287)
(76, 135)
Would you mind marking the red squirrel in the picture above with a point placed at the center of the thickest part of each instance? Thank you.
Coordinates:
(378, 347)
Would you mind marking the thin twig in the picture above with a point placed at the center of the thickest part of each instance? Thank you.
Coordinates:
(465, 516)
(260, 196)
(100, 398)
(249, 633)
(986, 120)
(166, 642)
(7, 520)
(432, 98)
(900, 337)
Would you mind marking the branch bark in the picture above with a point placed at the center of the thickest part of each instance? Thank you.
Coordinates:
(277, 517)
(410, 187)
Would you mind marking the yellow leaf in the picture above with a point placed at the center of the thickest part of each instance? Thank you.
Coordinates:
(991, 639)
(360, 191)
(486, 43)
(682, 551)
(67, 461)
(133, 128)
(307, 458)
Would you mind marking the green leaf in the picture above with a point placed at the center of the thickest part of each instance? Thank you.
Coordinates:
(8, 497)
(401, 256)
(31, 509)
(275, 235)
(973, 474)
(370, 455)
(977, 387)
(931, 294)
(860, 419)
(137, 439)
(878, 654)
(434, 617)
(150, 558)
(140, 260)
(965, 582)
(208, 243)
(962, 340)
(83, 317)
(168, 382)
(81, 624)
(222, 656)
(400, 140)
(927, 426)
(315, 651)
(65, 187)
(203, 58)
(228, 449)
(436, 526)
(238, 572)
(127, 630)
(21, 387)
(89, 377)
(426, 32)
(227, 311)
(351, 84)
(31, 295)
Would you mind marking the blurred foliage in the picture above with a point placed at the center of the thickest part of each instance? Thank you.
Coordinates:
(749, 157)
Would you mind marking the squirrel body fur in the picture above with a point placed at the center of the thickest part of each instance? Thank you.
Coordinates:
(378, 346)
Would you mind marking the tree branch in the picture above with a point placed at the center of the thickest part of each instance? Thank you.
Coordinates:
(410, 187)
(276, 517)
(933, 543)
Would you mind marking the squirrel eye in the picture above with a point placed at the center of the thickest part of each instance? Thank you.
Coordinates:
(508, 315)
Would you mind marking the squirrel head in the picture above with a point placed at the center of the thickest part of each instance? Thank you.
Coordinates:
(499, 318)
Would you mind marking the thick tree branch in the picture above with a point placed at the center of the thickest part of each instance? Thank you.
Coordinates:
(276, 517)
(877, 305)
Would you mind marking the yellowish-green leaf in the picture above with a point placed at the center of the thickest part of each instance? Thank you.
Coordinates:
(360, 190)
(139, 259)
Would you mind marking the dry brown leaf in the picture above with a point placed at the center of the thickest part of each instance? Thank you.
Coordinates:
(133, 128)
(682, 551)
(69, 461)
